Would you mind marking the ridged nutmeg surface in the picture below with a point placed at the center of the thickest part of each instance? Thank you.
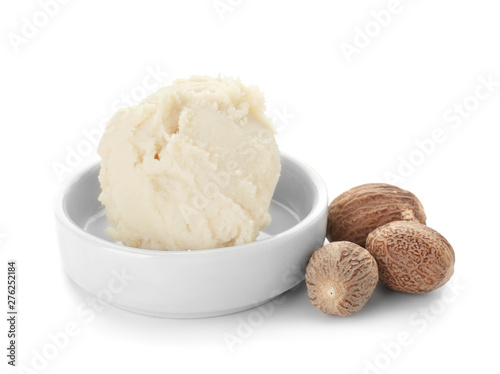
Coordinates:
(360, 210)
(411, 257)
(340, 278)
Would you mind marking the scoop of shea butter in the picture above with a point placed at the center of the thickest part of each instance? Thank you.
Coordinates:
(193, 166)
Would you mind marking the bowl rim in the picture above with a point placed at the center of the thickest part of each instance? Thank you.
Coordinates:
(321, 204)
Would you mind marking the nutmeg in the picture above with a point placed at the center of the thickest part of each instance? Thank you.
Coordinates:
(411, 257)
(340, 278)
(360, 210)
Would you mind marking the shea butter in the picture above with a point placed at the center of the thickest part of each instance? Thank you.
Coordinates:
(193, 166)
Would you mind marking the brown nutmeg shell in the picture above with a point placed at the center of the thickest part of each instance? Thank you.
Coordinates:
(340, 278)
(360, 210)
(411, 257)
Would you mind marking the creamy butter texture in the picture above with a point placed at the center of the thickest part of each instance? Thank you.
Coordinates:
(193, 166)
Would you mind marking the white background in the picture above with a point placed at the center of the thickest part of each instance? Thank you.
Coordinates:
(353, 121)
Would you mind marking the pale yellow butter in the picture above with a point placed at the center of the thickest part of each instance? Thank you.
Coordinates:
(194, 166)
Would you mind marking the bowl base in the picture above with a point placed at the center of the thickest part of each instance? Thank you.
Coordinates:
(217, 313)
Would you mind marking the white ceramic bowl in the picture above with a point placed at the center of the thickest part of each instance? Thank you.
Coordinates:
(190, 284)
